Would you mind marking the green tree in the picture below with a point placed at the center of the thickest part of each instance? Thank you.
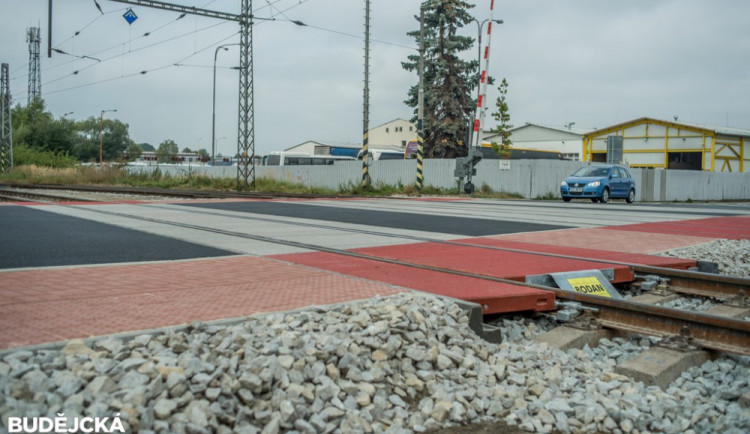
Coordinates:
(204, 155)
(448, 80)
(166, 151)
(114, 140)
(147, 147)
(38, 129)
(502, 116)
(133, 151)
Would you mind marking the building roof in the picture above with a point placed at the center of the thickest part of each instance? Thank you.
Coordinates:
(722, 131)
(571, 130)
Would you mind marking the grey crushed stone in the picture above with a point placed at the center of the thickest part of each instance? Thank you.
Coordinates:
(405, 363)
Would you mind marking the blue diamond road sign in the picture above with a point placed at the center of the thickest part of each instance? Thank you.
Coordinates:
(130, 16)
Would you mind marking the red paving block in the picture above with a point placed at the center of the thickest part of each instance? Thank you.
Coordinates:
(495, 297)
(497, 263)
(610, 238)
(733, 228)
(624, 257)
(52, 304)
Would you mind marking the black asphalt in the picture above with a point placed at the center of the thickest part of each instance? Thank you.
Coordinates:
(30, 237)
(419, 222)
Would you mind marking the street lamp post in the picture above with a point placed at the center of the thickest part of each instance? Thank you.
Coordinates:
(213, 110)
(101, 136)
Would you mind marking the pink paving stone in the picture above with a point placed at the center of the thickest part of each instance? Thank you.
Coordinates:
(608, 239)
(53, 304)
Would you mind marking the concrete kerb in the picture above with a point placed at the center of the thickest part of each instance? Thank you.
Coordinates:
(474, 311)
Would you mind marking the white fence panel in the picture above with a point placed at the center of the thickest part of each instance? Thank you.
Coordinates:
(528, 178)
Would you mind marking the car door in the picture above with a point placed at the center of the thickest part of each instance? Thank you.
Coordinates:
(627, 181)
(615, 185)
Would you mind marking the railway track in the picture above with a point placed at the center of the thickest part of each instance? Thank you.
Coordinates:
(643, 316)
(13, 188)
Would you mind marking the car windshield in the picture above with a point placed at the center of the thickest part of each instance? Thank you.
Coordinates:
(592, 171)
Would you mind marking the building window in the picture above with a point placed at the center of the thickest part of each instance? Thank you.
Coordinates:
(386, 130)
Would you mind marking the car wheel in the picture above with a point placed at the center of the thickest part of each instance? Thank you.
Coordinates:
(605, 196)
(631, 196)
(566, 199)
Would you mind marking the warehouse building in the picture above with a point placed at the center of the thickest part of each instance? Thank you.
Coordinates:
(566, 140)
(648, 142)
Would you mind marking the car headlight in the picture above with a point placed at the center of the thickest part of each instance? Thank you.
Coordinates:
(563, 184)
(593, 184)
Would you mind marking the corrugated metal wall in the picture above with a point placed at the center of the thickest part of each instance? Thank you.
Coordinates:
(528, 178)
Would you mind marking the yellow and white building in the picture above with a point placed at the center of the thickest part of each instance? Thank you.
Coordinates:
(649, 142)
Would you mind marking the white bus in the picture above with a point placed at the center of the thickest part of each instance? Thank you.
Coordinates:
(383, 154)
(292, 159)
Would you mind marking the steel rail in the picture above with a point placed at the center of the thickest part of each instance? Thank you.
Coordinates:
(697, 283)
(194, 194)
(681, 281)
(708, 331)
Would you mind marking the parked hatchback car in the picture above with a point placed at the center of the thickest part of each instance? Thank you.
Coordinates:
(599, 183)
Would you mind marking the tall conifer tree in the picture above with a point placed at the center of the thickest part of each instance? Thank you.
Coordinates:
(448, 80)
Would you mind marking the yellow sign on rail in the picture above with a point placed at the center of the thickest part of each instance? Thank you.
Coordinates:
(588, 285)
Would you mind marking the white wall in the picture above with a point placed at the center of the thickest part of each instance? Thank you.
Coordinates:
(529, 178)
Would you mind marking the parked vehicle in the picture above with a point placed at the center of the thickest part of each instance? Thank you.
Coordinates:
(290, 159)
(599, 183)
(521, 154)
(383, 154)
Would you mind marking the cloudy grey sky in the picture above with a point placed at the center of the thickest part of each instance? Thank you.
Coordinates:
(592, 62)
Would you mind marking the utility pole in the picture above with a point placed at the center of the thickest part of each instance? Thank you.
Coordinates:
(420, 103)
(246, 121)
(366, 102)
(34, 38)
(6, 130)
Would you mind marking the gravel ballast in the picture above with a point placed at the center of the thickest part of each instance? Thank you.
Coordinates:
(732, 256)
(405, 363)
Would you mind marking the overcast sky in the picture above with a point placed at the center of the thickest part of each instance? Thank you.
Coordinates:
(592, 62)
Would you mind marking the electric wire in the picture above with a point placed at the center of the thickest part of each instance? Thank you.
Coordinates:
(269, 4)
(178, 63)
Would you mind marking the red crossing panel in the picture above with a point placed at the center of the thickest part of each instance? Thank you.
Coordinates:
(733, 228)
(630, 258)
(495, 297)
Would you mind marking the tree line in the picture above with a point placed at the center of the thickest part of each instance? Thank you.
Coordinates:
(37, 134)
(449, 85)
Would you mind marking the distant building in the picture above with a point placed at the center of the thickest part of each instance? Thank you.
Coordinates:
(393, 135)
(546, 138)
(312, 147)
(150, 157)
(396, 133)
(648, 142)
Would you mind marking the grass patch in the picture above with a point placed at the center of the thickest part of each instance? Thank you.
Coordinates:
(191, 179)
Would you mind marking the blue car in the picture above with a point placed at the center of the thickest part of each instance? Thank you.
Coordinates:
(599, 183)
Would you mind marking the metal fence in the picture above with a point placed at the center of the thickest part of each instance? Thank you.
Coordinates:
(527, 178)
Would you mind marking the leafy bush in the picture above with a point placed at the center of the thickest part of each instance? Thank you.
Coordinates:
(26, 156)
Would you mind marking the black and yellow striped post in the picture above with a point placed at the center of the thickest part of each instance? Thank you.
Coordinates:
(365, 162)
(420, 155)
(420, 102)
